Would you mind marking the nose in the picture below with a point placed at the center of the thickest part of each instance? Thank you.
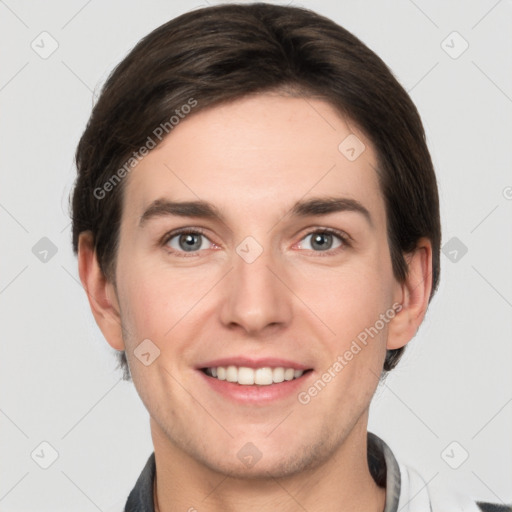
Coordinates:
(256, 297)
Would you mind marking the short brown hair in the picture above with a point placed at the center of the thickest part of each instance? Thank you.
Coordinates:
(219, 54)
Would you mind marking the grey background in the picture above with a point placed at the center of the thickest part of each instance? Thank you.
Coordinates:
(57, 373)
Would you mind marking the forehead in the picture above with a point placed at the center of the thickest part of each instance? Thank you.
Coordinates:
(258, 155)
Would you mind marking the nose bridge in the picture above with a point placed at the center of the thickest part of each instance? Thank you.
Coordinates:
(257, 297)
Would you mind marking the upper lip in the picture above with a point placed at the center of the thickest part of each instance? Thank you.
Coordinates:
(248, 362)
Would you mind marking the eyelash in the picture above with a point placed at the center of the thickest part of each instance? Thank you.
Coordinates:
(344, 238)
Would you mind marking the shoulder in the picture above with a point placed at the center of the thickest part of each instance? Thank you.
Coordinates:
(434, 496)
(141, 496)
(407, 490)
(493, 507)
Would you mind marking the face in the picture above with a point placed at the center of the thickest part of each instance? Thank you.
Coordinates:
(286, 267)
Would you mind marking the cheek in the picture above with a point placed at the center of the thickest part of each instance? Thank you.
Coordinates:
(350, 298)
(155, 297)
(147, 311)
(141, 302)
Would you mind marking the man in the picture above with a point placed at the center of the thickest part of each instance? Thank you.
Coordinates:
(257, 226)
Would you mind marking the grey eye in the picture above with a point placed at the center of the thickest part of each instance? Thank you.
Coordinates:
(321, 241)
(187, 242)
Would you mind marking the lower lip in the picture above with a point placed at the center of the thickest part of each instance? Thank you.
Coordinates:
(256, 394)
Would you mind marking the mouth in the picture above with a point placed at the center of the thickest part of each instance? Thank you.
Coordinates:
(245, 376)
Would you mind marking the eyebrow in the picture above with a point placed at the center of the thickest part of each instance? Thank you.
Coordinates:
(204, 210)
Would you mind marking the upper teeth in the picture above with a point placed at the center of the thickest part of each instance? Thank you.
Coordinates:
(249, 376)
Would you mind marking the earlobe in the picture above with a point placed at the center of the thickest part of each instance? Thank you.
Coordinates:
(100, 292)
(414, 295)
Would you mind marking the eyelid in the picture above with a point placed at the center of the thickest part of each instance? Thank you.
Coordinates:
(180, 231)
(345, 238)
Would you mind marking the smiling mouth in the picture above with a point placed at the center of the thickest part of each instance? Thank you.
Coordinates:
(254, 376)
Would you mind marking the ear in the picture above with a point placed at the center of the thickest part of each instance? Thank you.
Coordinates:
(413, 295)
(100, 292)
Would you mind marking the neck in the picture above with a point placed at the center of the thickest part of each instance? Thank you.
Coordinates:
(341, 483)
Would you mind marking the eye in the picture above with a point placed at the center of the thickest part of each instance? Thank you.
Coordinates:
(187, 240)
(323, 240)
